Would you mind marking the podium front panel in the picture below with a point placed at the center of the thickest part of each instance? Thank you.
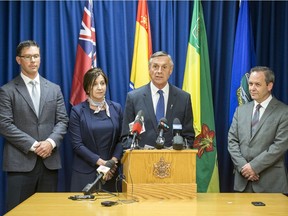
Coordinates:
(162, 174)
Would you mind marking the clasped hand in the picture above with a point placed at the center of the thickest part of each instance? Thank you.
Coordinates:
(43, 149)
(249, 173)
(109, 175)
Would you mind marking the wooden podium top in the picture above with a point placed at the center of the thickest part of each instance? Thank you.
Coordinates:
(145, 151)
(224, 204)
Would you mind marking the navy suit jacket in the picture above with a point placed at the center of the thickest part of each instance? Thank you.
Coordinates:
(21, 127)
(178, 106)
(82, 140)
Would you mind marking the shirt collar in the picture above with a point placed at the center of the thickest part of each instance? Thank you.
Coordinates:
(27, 79)
(265, 103)
(154, 89)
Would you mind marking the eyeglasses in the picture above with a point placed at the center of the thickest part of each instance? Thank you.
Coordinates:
(29, 57)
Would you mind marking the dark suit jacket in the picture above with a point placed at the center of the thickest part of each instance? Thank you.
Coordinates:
(264, 151)
(179, 106)
(82, 140)
(21, 127)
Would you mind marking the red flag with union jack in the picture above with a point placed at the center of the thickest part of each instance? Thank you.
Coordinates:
(85, 55)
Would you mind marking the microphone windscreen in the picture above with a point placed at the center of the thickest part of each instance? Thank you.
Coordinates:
(176, 121)
(163, 124)
(137, 127)
(140, 114)
(163, 120)
(110, 163)
(177, 124)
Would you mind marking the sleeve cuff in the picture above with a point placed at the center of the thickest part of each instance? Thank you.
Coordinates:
(52, 142)
(32, 147)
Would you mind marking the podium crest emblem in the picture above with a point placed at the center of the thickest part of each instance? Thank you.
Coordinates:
(162, 169)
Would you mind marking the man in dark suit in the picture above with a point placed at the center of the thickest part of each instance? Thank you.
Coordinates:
(33, 128)
(177, 104)
(258, 144)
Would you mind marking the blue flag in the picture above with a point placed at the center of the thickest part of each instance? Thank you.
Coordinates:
(243, 60)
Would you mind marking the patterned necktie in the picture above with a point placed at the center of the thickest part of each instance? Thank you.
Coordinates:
(160, 106)
(35, 96)
(255, 119)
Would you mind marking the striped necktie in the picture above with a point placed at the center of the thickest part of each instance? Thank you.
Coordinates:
(255, 119)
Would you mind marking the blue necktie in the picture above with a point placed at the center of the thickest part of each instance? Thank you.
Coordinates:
(160, 106)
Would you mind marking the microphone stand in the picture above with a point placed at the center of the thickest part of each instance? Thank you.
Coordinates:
(100, 189)
(135, 144)
(89, 189)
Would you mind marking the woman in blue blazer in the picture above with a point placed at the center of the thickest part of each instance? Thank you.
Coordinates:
(94, 131)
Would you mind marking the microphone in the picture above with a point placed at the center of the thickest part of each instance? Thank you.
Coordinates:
(178, 141)
(102, 170)
(136, 129)
(162, 127)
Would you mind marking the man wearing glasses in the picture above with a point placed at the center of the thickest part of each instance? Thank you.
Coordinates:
(33, 121)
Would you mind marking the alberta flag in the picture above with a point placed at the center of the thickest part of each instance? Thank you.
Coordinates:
(197, 82)
(243, 60)
(142, 48)
(86, 54)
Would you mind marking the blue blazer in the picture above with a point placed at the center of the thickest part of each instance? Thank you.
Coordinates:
(82, 140)
(179, 106)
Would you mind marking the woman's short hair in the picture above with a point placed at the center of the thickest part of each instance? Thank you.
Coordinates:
(90, 76)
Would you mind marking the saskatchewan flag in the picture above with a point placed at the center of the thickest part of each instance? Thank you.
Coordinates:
(197, 82)
(142, 48)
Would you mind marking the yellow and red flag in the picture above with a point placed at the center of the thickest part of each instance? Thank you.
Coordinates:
(142, 47)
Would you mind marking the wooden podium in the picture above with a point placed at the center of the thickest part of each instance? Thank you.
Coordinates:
(161, 174)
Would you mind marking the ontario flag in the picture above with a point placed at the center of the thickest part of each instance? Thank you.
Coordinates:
(85, 55)
(142, 47)
(197, 82)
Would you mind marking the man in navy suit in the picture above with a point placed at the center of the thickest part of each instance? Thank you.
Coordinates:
(177, 104)
(32, 132)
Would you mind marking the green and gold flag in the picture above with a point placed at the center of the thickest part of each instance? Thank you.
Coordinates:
(197, 82)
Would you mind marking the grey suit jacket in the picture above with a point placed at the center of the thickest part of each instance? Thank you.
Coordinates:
(264, 151)
(21, 127)
(179, 106)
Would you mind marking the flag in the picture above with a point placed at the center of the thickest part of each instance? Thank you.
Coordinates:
(197, 82)
(85, 55)
(142, 48)
(243, 60)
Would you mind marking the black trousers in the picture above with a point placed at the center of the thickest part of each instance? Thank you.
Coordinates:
(21, 185)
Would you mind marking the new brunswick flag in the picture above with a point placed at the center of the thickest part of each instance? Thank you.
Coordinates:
(142, 48)
(197, 82)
